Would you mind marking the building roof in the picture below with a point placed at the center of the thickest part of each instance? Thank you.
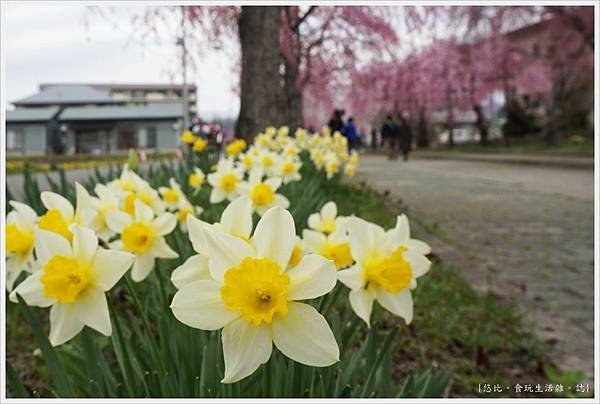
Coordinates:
(123, 112)
(25, 115)
(67, 94)
(126, 86)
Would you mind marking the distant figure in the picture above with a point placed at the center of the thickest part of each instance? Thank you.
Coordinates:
(389, 134)
(405, 135)
(374, 139)
(351, 134)
(336, 123)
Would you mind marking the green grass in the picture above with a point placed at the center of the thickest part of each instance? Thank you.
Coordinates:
(574, 146)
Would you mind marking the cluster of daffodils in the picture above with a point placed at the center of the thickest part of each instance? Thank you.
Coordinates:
(249, 280)
(74, 254)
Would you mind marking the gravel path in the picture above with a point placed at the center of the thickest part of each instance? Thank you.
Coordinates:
(524, 232)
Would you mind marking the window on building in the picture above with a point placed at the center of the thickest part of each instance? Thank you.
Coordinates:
(15, 139)
(146, 137)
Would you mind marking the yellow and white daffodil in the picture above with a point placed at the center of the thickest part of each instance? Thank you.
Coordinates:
(236, 147)
(20, 238)
(252, 296)
(289, 170)
(225, 181)
(131, 187)
(72, 279)
(184, 210)
(60, 213)
(171, 195)
(334, 246)
(263, 193)
(387, 266)
(196, 179)
(269, 162)
(326, 221)
(142, 235)
(332, 165)
(105, 202)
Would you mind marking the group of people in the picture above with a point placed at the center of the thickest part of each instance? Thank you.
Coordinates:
(348, 129)
(397, 136)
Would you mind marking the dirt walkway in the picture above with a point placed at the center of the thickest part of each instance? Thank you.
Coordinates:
(524, 232)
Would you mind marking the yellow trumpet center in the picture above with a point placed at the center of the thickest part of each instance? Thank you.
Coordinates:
(195, 180)
(257, 288)
(229, 182)
(288, 167)
(171, 195)
(393, 272)
(267, 161)
(18, 241)
(262, 194)
(199, 145)
(339, 253)
(137, 237)
(296, 256)
(65, 278)
(182, 214)
(54, 221)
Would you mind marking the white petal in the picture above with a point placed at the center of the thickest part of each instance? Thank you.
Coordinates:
(245, 348)
(275, 235)
(418, 246)
(314, 240)
(193, 269)
(199, 305)
(196, 234)
(281, 201)
(304, 336)
(48, 244)
(361, 238)
(92, 310)
(32, 291)
(141, 267)
(161, 249)
(85, 243)
(352, 277)
(314, 220)
(56, 201)
(329, 211)
(26, 216)
(117, 220)
(110, 265)
(419, 263)
(312, 277)
(143, 212)
(14, 266)
(237, 217)
(274, 182)
(164, 224)
(217, 195)
(361, 300)
(64, 323)
(225, 251)
(400, 304)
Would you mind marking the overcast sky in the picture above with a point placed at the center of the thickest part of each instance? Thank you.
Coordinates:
(50, 43)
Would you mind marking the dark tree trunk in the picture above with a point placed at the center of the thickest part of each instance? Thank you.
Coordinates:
(481, 125)
(293, 96)
(260, 84)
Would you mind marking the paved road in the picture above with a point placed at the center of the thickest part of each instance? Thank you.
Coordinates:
(524, 232)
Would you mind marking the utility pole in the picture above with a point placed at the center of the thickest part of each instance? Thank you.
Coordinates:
(185, 101)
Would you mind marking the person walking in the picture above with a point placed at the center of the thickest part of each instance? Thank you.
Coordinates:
(336, 123)
(405, 135)
(351, 134)
(389, 134)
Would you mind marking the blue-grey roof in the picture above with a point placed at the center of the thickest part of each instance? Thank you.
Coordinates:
(123, 112)
(67, 94)
(24, 115)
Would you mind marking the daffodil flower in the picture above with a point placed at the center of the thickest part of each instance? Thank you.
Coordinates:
(269, 162)
(289, 170)
(236, 147)
(60, 213)
(263, 193)
(20, 237)
(387, 266)
(199, 145)
(171, 195)
(327, 220)
(143, 236)
(105, 201)
(196, 179)
(224, 181)
(187, 137)
(252, 295)
(184, 210)
(72, 279)
(334, 246)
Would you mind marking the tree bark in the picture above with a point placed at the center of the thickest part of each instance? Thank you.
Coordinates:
(481, 125)
(293, 95)
(261, 98)
(423, 137)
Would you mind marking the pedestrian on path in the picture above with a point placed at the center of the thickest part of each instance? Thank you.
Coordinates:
(389, 134)
(405, 135)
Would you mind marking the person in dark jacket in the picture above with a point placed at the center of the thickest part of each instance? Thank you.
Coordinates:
(389, 135)
(351, 134)
(336, 123)
(405, 135)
